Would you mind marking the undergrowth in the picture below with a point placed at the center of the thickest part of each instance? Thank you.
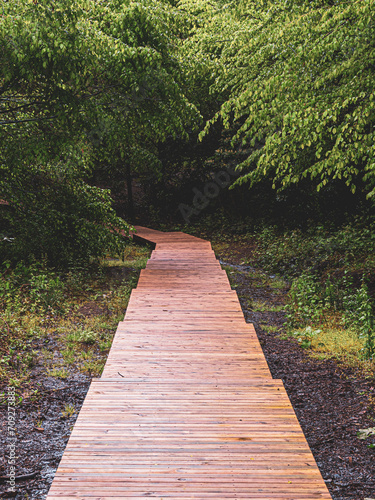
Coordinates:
(333, 317)
(331, 272)
(330, 303)
(319, 250)
(61, 323)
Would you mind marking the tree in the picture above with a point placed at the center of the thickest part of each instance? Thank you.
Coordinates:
(74, 76)
(296, 80)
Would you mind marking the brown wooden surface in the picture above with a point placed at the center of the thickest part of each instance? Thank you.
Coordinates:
(186, 406)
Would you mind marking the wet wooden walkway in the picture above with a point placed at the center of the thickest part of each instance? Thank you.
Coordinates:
(186, 406)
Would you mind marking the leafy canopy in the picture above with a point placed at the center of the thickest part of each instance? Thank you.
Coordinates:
(296, 80)
(75, 76)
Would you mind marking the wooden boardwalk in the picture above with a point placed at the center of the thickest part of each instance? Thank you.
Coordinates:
(186, 406)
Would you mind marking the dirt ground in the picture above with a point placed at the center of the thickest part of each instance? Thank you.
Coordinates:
(331, 403)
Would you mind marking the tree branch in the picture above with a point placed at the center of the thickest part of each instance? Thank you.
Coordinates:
(10, 122)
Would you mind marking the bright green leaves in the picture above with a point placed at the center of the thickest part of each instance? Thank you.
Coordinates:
(297, 84)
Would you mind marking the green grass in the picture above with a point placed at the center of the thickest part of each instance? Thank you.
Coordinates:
(91, 303)
(58, 372)
(93, 368)
(68, 411)
(259, 306)
(134, 256)
(332, 340)
(277, 283)
(269, 328)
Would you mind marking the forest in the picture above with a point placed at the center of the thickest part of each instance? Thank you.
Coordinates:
(249, 123)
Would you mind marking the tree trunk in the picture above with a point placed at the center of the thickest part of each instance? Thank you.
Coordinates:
(129, 185)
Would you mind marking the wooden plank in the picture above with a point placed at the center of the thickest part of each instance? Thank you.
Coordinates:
(186, 406)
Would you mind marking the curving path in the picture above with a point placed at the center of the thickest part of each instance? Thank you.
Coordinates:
(186, 406)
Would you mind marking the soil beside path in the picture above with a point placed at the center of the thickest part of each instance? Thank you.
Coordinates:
(331, 403)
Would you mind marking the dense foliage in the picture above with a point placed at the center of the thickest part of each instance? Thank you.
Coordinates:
(332, 281)
(296, 80)
(81, 81)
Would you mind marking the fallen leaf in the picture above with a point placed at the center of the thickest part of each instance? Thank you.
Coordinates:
(365, 433)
